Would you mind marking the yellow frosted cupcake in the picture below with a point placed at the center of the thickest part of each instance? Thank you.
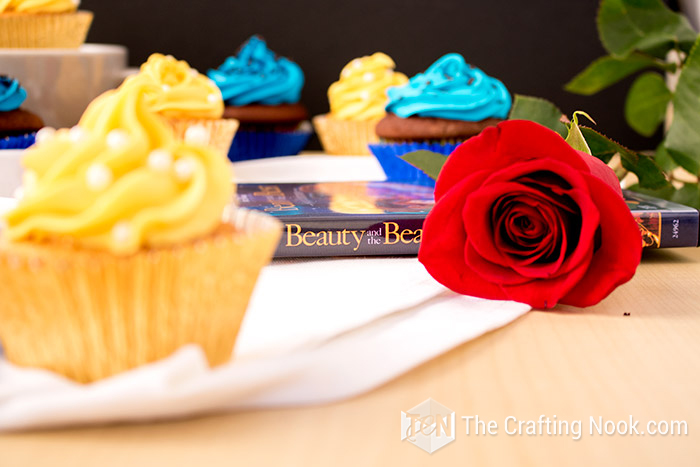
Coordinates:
(43, 24)
(357, 102)
(188, 100)
(116, 254)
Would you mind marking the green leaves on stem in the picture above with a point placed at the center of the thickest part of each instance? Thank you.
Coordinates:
(429, 162)
(608, 70)
(638, 35)
(647, 100)
(642, 35)
(643, 25)
(539, 111)
(650, 175)
(683, 138)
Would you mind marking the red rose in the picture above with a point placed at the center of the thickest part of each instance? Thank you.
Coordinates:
(520, 215)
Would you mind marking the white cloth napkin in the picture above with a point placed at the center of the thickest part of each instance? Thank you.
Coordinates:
(316, 331)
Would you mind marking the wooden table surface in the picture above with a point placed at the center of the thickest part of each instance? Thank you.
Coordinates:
(572, 363)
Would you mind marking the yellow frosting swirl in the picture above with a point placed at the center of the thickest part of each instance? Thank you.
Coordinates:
(119, 181)
(180, 91)
(360, 94)
(39, 6)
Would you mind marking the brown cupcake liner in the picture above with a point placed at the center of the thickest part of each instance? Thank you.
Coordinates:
(44, 30)
(345, 137)
(88, 314)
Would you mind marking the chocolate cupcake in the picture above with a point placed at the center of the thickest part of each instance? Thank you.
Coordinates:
(262, 91)
(18, 126)
(437, 110)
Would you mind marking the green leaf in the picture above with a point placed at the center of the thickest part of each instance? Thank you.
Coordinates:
(607, 71)
(650, 175)
(647, 100)
(626, 25)
(575, 137)
(666, 192)
(683, 138)
(539, 111)
(663, 158)
(689, 195)
(429, 162)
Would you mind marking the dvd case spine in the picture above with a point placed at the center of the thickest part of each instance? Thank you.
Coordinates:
(402, 236)
(350, 237)
(668, 229)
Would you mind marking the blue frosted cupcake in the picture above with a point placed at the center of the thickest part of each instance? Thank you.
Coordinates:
(437, 111)
(17, 126)
(262, 91)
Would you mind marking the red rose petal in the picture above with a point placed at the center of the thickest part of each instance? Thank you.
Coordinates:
(620, 250)
(459, 163)
(443, 255)
(601, 170)
(546, 293)
(477, 216)
(507, 143)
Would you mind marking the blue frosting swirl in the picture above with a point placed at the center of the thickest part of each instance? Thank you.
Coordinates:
(11, 94)
(256, 76)
(451, 89)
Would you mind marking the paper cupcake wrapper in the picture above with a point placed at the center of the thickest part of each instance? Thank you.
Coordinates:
(17, 142)
(345, 137)
(44, 30)
(398, 170)
(221, 131)
(255, 144)
(88, 315)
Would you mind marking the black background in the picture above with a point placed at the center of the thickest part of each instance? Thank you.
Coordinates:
(533, 46)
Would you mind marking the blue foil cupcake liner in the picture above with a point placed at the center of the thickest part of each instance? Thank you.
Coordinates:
(17, 142)
(398, 170)
(251, 144)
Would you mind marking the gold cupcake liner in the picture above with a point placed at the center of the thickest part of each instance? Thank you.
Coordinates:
(221, 131)
(345, 137)
(88, 315)
(44, 30)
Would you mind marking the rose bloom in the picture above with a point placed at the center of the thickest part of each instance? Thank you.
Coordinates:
(521, 215)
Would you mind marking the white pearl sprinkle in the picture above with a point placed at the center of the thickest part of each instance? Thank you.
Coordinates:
(213, 98)
(117, 139)
(364, 95)
(76, 134)
(165, 88)
(75, 2)
(98, 176)
(184, 168)
(121, 232)
(197, 134)
(369, 76)
(160, 160)
(45, 134)
(29, 179)
(194, 73)
(357, 63)
(170, 57)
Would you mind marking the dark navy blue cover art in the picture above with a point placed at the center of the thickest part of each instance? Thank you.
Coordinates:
(337, 199)
(664, 224)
